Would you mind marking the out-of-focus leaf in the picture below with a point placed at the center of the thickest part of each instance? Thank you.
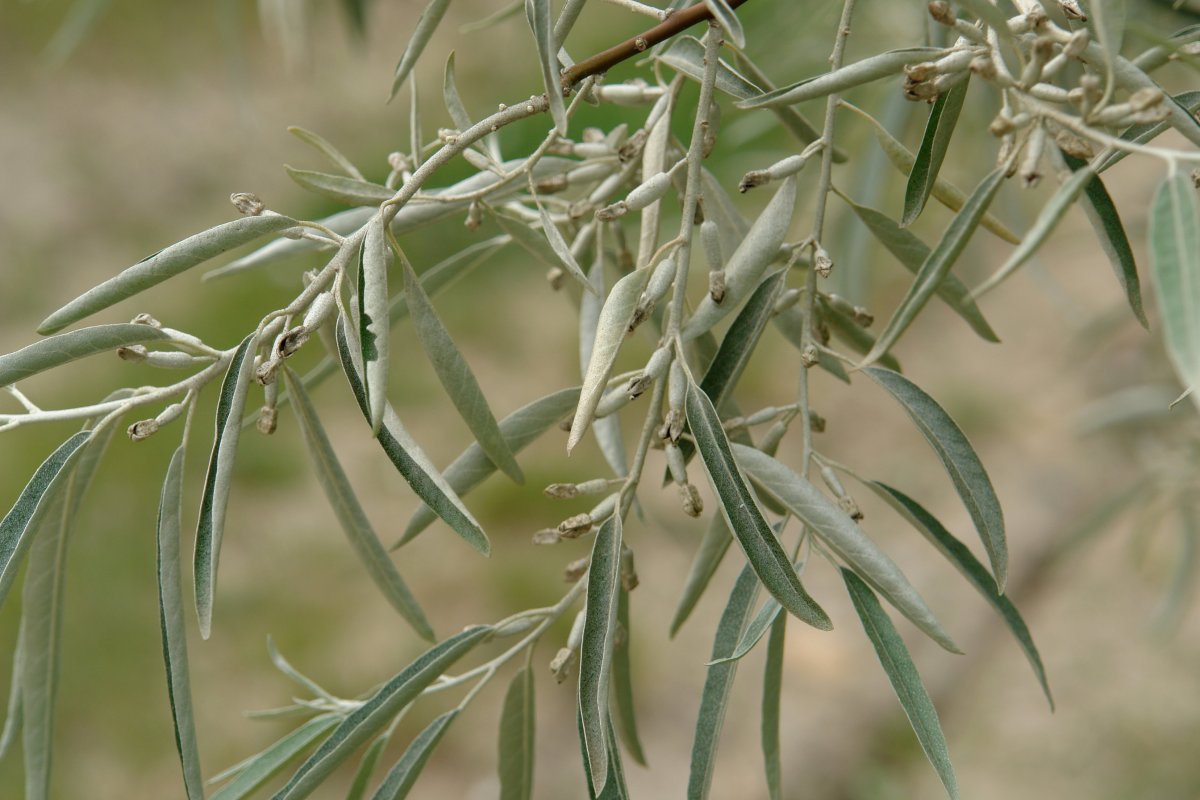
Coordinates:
(404, 774)
(511, 10)
(340, 188)
(716, 541)
(754, 632)
(729, 22)
(450, 96)
(988, 13)
(869, 69)
(13, 712)
(356, 13)
(66, 347)
(902, 672)
(740, 510)
(562, 250)
(369, 718)
(539, 246)
(350, 513)
(847, 330)
(219, 478)
(686, 55)
(366, 767)
(537, 12)
(426, 24)
(960, 460)
(622, 686)
(596, 650)
(517, 722)
(1108, 24)
(1145, 132)
(772, 689)
(607, 429)
(410, 461)
(941, 259)
(263, 766)
(960, 556)
(1175, 258)
(804, 131)
(943, 118)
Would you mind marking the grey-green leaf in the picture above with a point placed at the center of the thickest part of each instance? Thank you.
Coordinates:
(373, 321)
(961, 557)
(267, 763)
(350, 513)
(517, 722)
(729, 22)
(1108, 23)
(562, 250)
(943, 117)
(758, 627)
(13, 712)
(869, 69)
(166, 263)
(450, 96)
(606, 429)
(219, 478)
(961, 462)
(537, 12)
(938, 265)
(539, 247)
(1175, 258)
(686, 55)
(709, 553)
(456, 377)
(772, 689)
(404, 774)
(740, 510)
(622, 684)
(426, 25)
(1148, 131)
(595, 657)
(340, 188)
(842, 536)
(369, 718)
(326, 148)
(67, 347)
(366, 767)
(902, 672)
(410, 461)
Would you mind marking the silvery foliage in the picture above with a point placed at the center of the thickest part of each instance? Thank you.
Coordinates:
(1068, 106)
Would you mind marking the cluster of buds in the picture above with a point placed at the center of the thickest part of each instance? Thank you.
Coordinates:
(289, 342)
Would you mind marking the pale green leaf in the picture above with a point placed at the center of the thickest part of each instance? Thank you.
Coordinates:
(404, 774)
(562, 250)
(340, 188)
(686, 55)
(732, 26)
(869, 69)
(804, 131)
(366, 766)
(622, 684)
(219, 478)
(1108, 24)
(164, 264)
(758, 627)
(13, 712)
(67, 347)
(1175, 258)
(259, 769)
(844, 328)
(709, 553)
(517, 722)
(426, 25)
(450, 96)
(985, 11)
(595, 656)
(943, 118)
(373, 324)
(326, 148)
(902, 672)
(537, 12)
(1145, 132)
(772, 689)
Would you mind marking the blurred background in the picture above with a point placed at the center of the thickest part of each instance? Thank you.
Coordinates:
(124, 126)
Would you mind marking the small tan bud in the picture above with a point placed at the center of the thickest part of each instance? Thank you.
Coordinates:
(629, 576)
(555, 277)
(851, 508)
(809, 356)
(942, 13)
(575, 526)
(918, 73)
(134, 352)
(1146, 97)
(1074, 145)
(716, 285)
(146, 319)
(693, 505)
(474, 217)
(561, 491)
(560, 665)
(576, 569)
(267, 420)
(247, 203)
(754, 178)
(292, 341)
(817, 421)
(398, 162)
(822, 262)
(546, 536)
(142, 429)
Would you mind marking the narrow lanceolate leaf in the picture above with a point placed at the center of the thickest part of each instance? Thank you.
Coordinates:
(404, 774)
(1175, 257)
(174, 631)
(960, 556)
(19, 526)
(611, 329)
(614, 788)
(595, 657)
(366, 767)
(938, 130)
(561, 249)
(339, 188)
(1047, 220)
(450, 96)
(607, 430)
(219, 478)
(426, 25)
(772, 689)
(164, 264)
(941, 259)
(373, 323)
(713, 546)
(745, 268)
(537, 12)
(12, 718)
(844, 328)
(1106, 222)
(622, 685)
(517, 722)
(911, 252)
(902, 672)
(350, 513)
(840, 533)
(326, 148)
(740, 510)
(758, 627)
(1108, 23)
(961, 463)
(718, 683)
(410, 461)
(263, 766)
(456, 376)
(869, 69)
(369, 718)
(538, 246)
(66, 347)
(686, 55)
(729, 22)
(804, 131)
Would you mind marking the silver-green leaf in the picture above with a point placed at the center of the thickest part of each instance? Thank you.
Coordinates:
(259, 769)
(404, 773)
(709, 553)
(772, 689)
(373, 317)
(622, 683)
(340, 188)
(728, 20)
(537, 12)
(517, 722)
(686, 55)
(943, 118)
(869, 69)
(595, 657)
(426, 25)
(326, 148)
(1175, 258)
(67, 347)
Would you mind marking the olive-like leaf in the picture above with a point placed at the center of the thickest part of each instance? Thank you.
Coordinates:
(772, 689)
(595, 656)
(686, 55)
(537, 12)
(259, 769)
(1175, 258)
(745, 267)
(840, 533)
(373, 324)
(709, 553)
(758, 627)
(791, 323)
(540, 247)
(366, 766)
(369, 718)
(723, 15)
(606, 429)
(66, 347)
(804, 131)
(350, 513)
(517, 722)
(404, 773)
(1108, 24)
(943, 117)
(1144, 132)
(961, 557)
(562, 250)
(13, 712)
(938, 265)
(740, 510)
(846, 329)
(960, 460)
(457, 379)
(326, 148)
(426, 24)
(166, 263)
(410, 461)
(902, 672)
(340, 188)
(219, 478)
(614, 788)
(611, 330)
(622, 684)
(718, 682)
(869, 69)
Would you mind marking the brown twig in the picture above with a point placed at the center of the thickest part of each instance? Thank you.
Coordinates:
(677, 22)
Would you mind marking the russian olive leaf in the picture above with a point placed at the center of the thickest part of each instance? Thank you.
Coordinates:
(517, 722)
(1175, 258)
(537, 12)
(844, 327)
(366, 767)
(622, 683)
(607, 429)
(373, 323)
(540, 247)
(404, 773)
(709, 553)
(724, 16)
(596, 650)
(451, 97)
(772, 690)
(67, 347)
(426, 24)
(686, 55)
(13, 712)
(754, 632)
(562, 250)
(259, 769)
(943, 118)
(326, 148)
(869, 69)
(1108, 25)
(804, 131)
(340, 188)
(1144, 132)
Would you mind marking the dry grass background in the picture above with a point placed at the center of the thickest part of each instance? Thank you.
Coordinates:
(137, 140)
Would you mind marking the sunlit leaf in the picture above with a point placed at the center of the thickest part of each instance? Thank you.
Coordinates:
(266, 764)
(450, 96)
(404, 774)
(869, 69)
(606, 429)
(595, 656)
(537, 12)
(426, 24)
(943, 118)
(1175, 257)
(804, 131)
(686, 55)
(373, 324)
(517, 722)
(622, 684)
(66, 347)
(340, 188)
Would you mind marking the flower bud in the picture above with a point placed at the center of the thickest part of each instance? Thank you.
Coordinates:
(716, 285)
(575, 526)
(546, 536)
(822, 262)
(142, 429)
(693, 506)
(146, 319)
(576, 569)
(560, 665)
(267, 420)
(134, 352)
(247, 203)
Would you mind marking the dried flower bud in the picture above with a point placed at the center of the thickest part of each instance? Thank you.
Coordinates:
(560, 665)
(632, 147)
(753, 178)
(561, 491)
(546, 536)
(716, 285)
(134, 352)
(918, 73)
(267, 420)
(146, 319)
(1196, 178)
(851, 508)
(822, 262)
(291, 341)
(863, 317)
(576, 569)
(398, 162)
(1072, 10)
(555, 277)
(817, 422)
(984, 67)
(575, 526)
(693, 506)
(672, 427)
(942, 13)
(809, 356)
(142, 429)
(629, 576)
(247, 203)
(552, 185)
(1073, 144)
(1146, 97)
